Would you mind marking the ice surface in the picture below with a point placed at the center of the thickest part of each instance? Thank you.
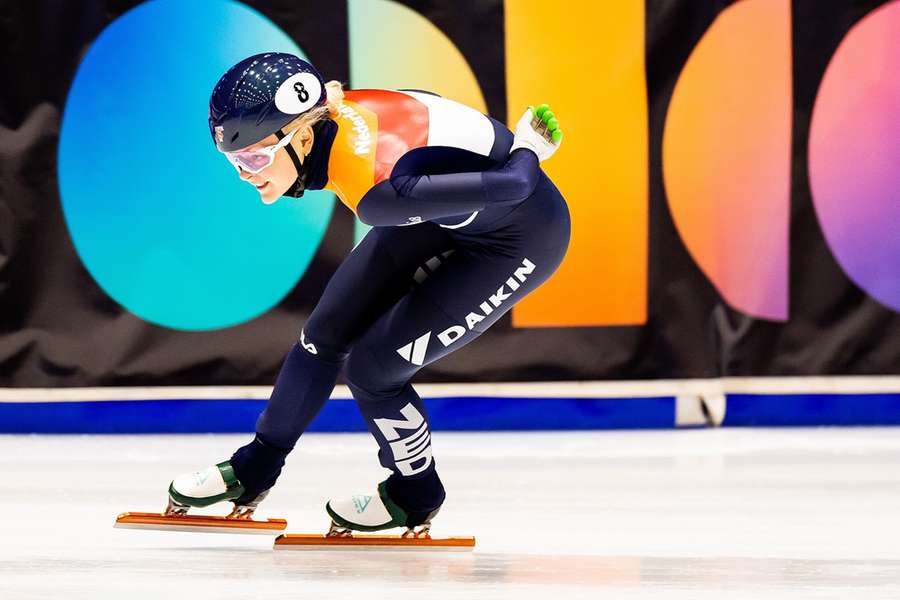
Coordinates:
(689, 514)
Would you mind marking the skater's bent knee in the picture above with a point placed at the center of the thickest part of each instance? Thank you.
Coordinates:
(369, 378)
(317, 341)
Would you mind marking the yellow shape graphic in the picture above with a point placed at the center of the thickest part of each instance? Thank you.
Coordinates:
(587, 62)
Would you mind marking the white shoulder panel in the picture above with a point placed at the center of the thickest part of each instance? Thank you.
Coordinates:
(456, 125)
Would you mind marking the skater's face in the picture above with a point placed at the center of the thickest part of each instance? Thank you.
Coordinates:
(272, 182)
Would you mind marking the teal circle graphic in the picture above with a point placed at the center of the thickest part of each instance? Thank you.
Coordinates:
(159, 218)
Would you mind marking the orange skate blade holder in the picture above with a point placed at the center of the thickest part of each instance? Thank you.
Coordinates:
(199, 523)
(307, 541)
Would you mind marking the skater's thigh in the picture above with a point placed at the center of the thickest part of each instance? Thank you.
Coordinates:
(378, 272)
(464, 296)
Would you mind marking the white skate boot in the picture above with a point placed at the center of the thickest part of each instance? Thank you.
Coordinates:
(209, 486)
(372, 513)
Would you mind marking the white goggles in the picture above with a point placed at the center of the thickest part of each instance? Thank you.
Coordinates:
(254, 161)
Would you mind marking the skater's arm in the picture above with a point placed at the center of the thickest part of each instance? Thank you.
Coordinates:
(412, 198)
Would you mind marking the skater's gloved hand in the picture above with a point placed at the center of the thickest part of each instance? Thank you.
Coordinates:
(538, 130)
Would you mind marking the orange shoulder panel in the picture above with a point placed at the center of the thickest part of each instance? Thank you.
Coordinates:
(375, 128)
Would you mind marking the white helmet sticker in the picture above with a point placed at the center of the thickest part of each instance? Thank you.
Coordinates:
(298, 93)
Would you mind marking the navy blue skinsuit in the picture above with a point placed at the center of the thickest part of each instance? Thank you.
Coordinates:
(409, 295)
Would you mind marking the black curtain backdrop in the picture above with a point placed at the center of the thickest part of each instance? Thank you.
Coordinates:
(59, 328)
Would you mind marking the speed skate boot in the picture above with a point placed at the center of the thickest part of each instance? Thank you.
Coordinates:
(382, 510)
(398, 502)
(244, 479)
(209, 486)
(368, 513)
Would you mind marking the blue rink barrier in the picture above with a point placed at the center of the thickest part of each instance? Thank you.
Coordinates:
(228, 416)
(772, 410)
(449, 414)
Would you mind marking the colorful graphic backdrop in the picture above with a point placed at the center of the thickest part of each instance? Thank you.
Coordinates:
(730, 168)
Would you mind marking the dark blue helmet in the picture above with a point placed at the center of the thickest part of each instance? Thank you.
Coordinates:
(260, 95)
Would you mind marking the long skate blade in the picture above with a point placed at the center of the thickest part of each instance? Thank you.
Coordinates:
(306, 541)
(198, 523)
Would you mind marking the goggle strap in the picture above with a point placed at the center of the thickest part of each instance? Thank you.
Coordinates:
(293, 154)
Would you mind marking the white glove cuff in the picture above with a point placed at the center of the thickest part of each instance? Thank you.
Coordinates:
(520, 143)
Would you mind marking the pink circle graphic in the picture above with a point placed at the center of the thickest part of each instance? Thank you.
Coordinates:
(854, 154)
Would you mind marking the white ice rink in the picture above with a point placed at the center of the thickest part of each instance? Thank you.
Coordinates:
(690, 514)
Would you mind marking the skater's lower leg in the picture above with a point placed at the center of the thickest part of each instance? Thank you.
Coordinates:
(413, 493)
(304, 383)
(420, 497)
(257, 466)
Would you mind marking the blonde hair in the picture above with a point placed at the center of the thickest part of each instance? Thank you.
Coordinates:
(334, 91)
